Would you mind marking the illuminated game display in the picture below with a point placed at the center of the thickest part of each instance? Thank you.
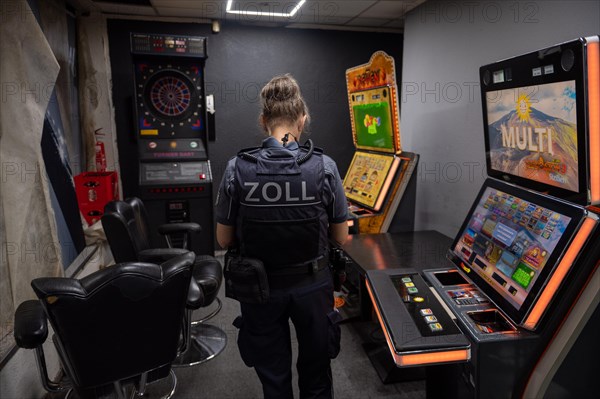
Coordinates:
(366, 179)
(170, 94)
(373, 119)
(536, 131)
(168, 100)
(510, 242)
(533, 133)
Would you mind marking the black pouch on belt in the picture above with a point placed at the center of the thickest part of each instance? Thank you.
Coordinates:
(246, 280)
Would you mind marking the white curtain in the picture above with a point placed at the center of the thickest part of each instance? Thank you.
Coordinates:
(96, 109)
(30, 246)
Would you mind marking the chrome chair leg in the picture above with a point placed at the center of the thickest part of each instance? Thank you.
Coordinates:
(144, 385)
(210, 315)
(202, 343)
(174, 378)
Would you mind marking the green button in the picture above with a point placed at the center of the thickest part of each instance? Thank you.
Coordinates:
(412, 290)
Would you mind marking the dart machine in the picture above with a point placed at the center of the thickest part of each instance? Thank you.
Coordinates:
(175, 179)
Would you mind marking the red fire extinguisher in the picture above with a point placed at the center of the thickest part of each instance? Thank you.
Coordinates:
(100, 152)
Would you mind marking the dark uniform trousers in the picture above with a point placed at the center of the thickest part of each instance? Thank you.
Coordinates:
(282, 219)
(264, 337)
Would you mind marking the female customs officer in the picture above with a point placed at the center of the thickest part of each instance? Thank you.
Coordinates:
(281, 203)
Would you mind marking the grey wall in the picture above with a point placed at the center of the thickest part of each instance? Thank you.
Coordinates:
(445, 43)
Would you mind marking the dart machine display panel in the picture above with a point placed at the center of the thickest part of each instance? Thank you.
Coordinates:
(379, 172)
(175, 179)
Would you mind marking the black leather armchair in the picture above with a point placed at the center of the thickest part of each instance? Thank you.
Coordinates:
(128, 233)
(114, 329)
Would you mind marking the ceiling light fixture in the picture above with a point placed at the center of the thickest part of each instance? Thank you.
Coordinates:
(266, 13)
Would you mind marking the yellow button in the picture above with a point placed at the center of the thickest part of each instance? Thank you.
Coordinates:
(418, 299)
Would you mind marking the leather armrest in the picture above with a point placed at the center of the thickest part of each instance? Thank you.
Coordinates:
(195, 298)
(160, 255)
(172, 228)
(31, 325)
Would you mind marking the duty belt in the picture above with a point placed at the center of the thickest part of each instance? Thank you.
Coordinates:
(308, 268)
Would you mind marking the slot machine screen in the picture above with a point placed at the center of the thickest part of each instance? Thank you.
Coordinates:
(534, 119)
(367, 179)
(511, 242)
(372, 118)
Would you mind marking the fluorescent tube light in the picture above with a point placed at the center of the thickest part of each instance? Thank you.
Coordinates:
(265, 13)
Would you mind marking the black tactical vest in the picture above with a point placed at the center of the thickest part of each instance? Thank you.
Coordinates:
(282, 218)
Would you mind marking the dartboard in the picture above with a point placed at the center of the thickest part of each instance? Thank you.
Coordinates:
(169, 94)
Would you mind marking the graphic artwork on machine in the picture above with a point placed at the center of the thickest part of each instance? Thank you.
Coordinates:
(366, 177)
(373, 119)
(533, 133)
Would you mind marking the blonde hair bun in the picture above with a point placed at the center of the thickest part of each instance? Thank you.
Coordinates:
(282, 102)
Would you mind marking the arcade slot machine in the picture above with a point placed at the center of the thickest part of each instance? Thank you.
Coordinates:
(175, 178)
(378, 184)
(380, 171)
(516, 310)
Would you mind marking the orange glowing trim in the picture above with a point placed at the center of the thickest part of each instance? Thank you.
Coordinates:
(388, 182)
(561, 271)
(417, 359)
(593, 77)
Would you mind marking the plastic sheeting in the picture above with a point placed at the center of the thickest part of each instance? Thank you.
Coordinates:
(30, 246)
